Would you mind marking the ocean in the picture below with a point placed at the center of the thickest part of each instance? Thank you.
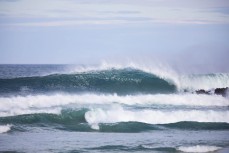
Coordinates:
(111, 108)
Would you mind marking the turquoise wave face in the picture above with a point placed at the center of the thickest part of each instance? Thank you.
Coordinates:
(123, 81)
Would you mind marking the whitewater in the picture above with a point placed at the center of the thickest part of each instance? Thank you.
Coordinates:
(112, 108)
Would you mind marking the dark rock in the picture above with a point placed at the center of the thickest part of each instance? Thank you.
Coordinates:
(202, 91)
(221, 91)
(218, 91)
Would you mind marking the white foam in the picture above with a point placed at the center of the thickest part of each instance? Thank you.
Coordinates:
(18, 105)
(164, 71)
(118, 114)
(18, 111)
(5, 128)
(199, 148)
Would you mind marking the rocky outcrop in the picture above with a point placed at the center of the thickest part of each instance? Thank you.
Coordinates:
(202, 91)
(218, 91)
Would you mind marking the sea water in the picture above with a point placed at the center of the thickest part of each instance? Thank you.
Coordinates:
(111, 108)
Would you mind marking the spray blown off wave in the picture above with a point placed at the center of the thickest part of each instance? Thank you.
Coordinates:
(165, 72)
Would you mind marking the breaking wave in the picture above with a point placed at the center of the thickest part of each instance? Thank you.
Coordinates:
(114, 78)
(165, 72)
(113, 98)
(18, 105)
(83, 120)
(123, 81)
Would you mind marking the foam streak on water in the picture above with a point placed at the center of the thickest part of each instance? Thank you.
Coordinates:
(199, 148)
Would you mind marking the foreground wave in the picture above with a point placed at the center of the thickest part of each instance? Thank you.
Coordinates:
(119, 120)
(114, 113)
(18, 105)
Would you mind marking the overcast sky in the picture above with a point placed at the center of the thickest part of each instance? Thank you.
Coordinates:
(188, 32)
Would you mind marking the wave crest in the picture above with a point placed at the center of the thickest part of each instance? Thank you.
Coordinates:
(163, 71)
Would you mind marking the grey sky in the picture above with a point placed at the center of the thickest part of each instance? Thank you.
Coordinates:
(86, 31)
